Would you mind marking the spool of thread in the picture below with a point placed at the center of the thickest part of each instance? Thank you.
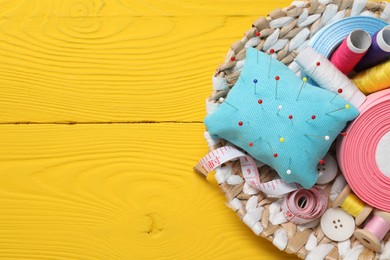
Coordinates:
(379, 50)
(374, 79)
(303, 206)
(351, 51)
(374, 231)
(352, 205)
(328, 76)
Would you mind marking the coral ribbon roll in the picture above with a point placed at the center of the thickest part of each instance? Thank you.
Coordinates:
(351, 51)
(374, 79)
(364, 153)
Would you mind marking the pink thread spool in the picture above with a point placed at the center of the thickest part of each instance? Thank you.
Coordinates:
(374, 231)
(351, 51)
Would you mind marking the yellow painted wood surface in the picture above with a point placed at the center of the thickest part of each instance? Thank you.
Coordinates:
(109, 185)
(114, 192)
(115, 60)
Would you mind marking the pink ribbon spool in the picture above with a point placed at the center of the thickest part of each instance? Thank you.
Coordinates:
(357, 151)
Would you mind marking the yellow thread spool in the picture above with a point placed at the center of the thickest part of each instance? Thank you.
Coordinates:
(374, 79)
(352, 205)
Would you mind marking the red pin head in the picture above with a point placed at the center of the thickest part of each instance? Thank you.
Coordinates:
(240, 123)
(257, 34)
(340, 90)
(313, 117)
(275, 155)
(277, 78)
(272, 51)
(318, 63)
(344, 133)
(250, 144)
(233, 58)
(290, 116)
(322, 161)
(260, 101)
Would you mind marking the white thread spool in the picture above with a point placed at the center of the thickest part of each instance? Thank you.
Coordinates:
(328, 76)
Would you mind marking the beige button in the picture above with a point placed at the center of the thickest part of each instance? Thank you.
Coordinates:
(328, 171)
(337, 225)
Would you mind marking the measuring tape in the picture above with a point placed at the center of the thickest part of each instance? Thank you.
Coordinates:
(248, 168)
(303, 206)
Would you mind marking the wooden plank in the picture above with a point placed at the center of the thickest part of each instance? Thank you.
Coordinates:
(99, 8)
(61, 66)
(123, 191)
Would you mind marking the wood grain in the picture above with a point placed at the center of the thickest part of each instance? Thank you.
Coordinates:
(114, 192)
(115, 61)
(109, 185)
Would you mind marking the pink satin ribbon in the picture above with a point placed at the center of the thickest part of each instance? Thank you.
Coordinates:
(357, 151)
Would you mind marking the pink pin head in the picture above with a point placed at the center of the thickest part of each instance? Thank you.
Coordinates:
(313, 117)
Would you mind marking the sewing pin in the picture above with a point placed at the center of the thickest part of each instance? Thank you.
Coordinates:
(304, 80)
(280, 107)
(289, 167)
(272, 51)
(347, 106)
(277, 78)
(260, 102)
(222, 100)
(339, 91)
(251, 143)
(275, 154)
(320, 161)
(313, 117)
(340, 133)
(291, 118)
(326, 137)
(255, 81)
(317, 65)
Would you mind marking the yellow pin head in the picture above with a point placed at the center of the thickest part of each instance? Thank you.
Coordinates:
(304, 79)
(281, 139)
(347, 106)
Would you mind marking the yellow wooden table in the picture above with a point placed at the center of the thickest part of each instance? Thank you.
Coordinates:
(101, 109)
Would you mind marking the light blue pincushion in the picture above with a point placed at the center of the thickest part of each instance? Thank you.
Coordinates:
(279, 122)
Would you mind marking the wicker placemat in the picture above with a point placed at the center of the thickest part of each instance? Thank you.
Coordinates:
(282, 28)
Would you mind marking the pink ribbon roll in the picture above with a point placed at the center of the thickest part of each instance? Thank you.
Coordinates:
(351, 51)
(364, 153)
